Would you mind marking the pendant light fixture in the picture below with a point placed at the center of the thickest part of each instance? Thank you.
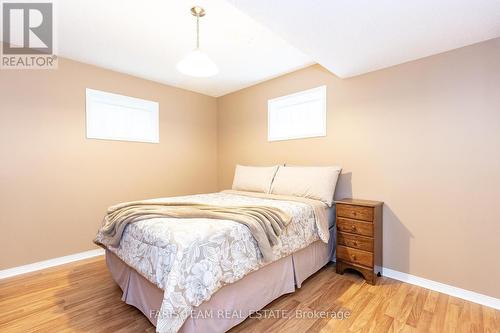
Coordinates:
(197, 63)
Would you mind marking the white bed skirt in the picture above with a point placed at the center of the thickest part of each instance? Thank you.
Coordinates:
(251, 293)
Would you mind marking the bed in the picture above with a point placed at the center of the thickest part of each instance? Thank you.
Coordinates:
(208, 275)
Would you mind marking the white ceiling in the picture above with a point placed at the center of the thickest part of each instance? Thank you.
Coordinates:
(358, 36)
(147, 38)
(254, 40)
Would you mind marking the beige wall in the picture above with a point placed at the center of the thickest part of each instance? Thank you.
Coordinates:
(423, 137)
(55, 184)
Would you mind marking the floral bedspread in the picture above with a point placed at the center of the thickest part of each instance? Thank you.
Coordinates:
(190, 259)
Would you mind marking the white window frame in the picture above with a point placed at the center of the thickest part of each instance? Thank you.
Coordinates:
(95, 97)
(273, 105)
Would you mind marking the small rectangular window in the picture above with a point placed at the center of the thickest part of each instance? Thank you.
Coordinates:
(299, 115)
(117, 117)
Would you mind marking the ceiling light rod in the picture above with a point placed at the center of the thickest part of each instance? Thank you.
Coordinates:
(198, 12)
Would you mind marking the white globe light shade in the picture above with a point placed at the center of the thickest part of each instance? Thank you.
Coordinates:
(197, 64)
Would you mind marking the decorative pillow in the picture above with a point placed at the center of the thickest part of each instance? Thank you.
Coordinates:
(310, 182)
(252, 178)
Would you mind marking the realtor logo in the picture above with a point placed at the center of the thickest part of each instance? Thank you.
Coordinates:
(28, 36)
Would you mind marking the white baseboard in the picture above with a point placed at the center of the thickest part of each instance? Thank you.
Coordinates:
(442, 288)
(387, 272)
(49, 263)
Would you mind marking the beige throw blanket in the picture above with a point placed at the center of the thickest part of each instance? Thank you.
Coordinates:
(319, 207)
(265, 223)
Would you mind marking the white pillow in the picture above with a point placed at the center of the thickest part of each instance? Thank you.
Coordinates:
(255, 179)
(310, 182)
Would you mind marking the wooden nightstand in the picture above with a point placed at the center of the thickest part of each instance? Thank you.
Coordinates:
(359, 236)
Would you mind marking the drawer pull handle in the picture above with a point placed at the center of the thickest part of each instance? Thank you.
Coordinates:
(355, 243)
(353, 228)
(353, 257)
(354, 213)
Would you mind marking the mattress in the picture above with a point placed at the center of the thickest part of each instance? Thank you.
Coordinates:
(243, 297)
(191, 259)
(331, 216)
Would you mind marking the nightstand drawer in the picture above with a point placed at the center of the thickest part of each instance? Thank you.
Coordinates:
(355, 241)
(355, 256)
(355, 227)
(355, 212)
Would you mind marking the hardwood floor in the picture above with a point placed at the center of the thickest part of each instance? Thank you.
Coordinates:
(82, 297)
